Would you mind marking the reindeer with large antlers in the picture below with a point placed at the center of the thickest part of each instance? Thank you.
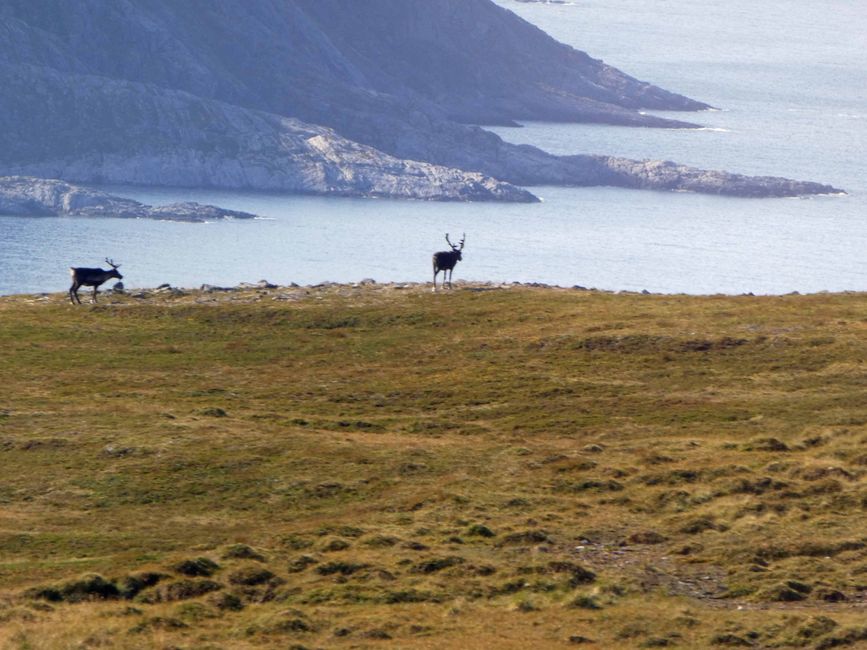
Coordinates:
(445, 261)
(82, 276)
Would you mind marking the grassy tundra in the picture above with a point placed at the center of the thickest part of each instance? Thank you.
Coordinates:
(384, 467)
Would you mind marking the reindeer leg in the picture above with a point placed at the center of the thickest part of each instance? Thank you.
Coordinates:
(93, 300)
(72, 294)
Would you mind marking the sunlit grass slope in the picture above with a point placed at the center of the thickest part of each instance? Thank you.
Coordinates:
(386, 467)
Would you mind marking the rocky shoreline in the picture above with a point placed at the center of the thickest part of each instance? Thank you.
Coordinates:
(264, 292)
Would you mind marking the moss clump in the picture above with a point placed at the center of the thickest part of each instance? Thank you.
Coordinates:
(585, 602)
(213, 412)
(437, 564)
(226, 601)
(666, 641)
(200, 566)
(381, 541)
(852, 636)
(646, 537)
(166, 623)
(179, 590)
(814, 628)
(195, 612)
(411, 596)
(766, 444)
(526, 537)
(242, 552)
(789, 591)
(86, 588)
(301, 563)
(730, 640)
(134, 583)
(480, 530)
(342, 568)
(577, 639)
(699, 525)
(250, 576)
(578, 575)
(334, 545)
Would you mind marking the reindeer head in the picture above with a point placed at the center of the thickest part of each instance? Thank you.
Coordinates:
(114, 273)
(457, 249)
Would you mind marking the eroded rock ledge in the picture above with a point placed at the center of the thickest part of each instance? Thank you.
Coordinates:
(28, 196)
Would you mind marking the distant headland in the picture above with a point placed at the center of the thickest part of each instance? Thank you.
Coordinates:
(379, 98)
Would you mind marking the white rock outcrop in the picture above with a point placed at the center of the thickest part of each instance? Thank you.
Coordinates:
(28, 196)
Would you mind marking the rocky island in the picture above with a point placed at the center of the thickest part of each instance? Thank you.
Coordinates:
(380, 98)
(28, 196)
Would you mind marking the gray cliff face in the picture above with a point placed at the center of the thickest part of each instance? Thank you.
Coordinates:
(23, 195)
(326, 96)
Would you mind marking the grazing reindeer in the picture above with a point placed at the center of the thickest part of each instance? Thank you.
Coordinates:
(90, 278)
(445, 261)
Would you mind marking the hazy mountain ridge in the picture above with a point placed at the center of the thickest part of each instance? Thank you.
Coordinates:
(196, 93)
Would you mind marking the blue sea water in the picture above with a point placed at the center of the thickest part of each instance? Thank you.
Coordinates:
(789, 80)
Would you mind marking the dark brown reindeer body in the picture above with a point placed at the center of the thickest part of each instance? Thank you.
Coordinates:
(84, 277)
(445, 261)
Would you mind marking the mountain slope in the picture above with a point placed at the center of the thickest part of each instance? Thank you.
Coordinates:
(469, 58)
(93, 87)
(481, 65)
(110, 131)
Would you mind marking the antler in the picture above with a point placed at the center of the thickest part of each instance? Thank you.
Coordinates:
(111, 263)
(459, 247)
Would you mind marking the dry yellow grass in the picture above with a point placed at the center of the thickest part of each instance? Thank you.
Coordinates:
(384, 467)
